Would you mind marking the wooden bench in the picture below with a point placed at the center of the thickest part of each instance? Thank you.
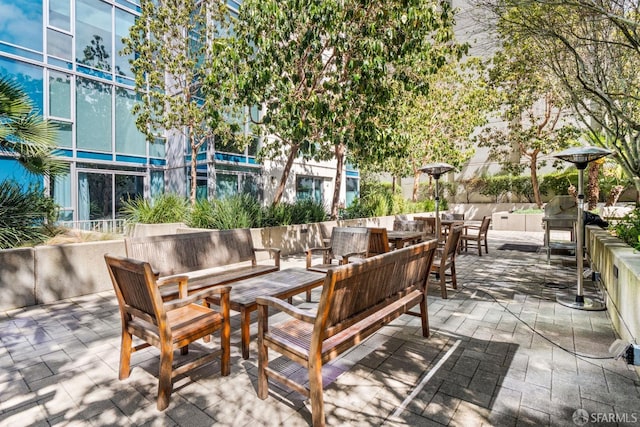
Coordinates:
(207, 258)
(357, 299)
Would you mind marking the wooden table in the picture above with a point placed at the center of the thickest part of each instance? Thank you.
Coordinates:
(280, 284)
(400, 238)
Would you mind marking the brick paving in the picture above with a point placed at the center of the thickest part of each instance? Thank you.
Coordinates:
(502, 352)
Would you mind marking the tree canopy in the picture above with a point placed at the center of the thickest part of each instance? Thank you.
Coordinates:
(534, 109)
(326, 73)
(593, 49)
(184, 71)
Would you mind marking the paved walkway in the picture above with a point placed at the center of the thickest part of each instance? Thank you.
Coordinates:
(502, 352)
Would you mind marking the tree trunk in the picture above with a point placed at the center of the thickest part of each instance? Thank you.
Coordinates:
(534, 181)
(593, 189)
(339, 152)
(285, 173)
(416, 186)
(194, 168)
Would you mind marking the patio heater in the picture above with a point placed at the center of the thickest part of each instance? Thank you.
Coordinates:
(436, 170)
(581, 157)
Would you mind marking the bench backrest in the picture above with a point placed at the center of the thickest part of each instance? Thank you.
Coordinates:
(353, 291)
(349, 240)
(180, 253)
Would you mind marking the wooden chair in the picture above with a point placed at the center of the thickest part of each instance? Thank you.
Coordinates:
(167, 326)
(378, 241)
(446, 260)
(345, 243)
(429, 224)
(477, 235)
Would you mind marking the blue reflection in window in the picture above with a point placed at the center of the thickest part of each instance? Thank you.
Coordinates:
(28, 76)
(24, 26)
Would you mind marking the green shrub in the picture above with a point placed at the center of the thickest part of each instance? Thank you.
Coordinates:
(279, 214)
(162, 209)
(628, 228)
(25, 215)
(300, 212)
(557, 183)
(307, 211)
(238, 211)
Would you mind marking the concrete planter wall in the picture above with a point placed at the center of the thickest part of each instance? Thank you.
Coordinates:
(46, 274)
(619, 268)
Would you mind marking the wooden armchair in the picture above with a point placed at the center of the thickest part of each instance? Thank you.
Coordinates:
(167, 326)
(476, 235)
(346, 242)
(446, 260)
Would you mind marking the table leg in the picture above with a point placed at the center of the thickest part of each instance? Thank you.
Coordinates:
(245, 321)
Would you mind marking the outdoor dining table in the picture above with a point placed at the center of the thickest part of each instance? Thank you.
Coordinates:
(281, 284)
(400, 238)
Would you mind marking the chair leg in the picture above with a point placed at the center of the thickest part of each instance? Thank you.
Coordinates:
(479, 243)
(125, 355)
(454, 281)
(443, 285)
(263, 354)
(424, 316)
(486, 245)
(225, 338)
(315, 393)
(164, 383)
(308, 296)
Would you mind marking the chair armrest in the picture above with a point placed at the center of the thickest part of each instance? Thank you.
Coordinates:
(275, 252)
(223, 291)
(182, 282)
(308, 316)
(309, 252)
(345, 258)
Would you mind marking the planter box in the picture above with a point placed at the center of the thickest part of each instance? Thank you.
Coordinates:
(619, 268)
(517, 222)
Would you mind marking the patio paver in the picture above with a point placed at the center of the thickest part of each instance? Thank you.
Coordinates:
(502, 352)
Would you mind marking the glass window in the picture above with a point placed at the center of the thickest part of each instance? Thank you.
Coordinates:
(128, 187)
(95, 196)
(129, 140)
(59, 44)
(21, 23)
(308, 188)
(61, 194)
(93, 34)
(124, 21)
(157, 183)
(226, 185)
(250, 186)
(352, 190)
(65, 134)
(93, 115)
(60, 14)
(28, 76)
(157, 148)
(59, 95)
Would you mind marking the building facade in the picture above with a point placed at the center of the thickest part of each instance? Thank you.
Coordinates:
(65, 55)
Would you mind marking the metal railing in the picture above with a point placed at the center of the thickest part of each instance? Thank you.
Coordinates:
(115, 226)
